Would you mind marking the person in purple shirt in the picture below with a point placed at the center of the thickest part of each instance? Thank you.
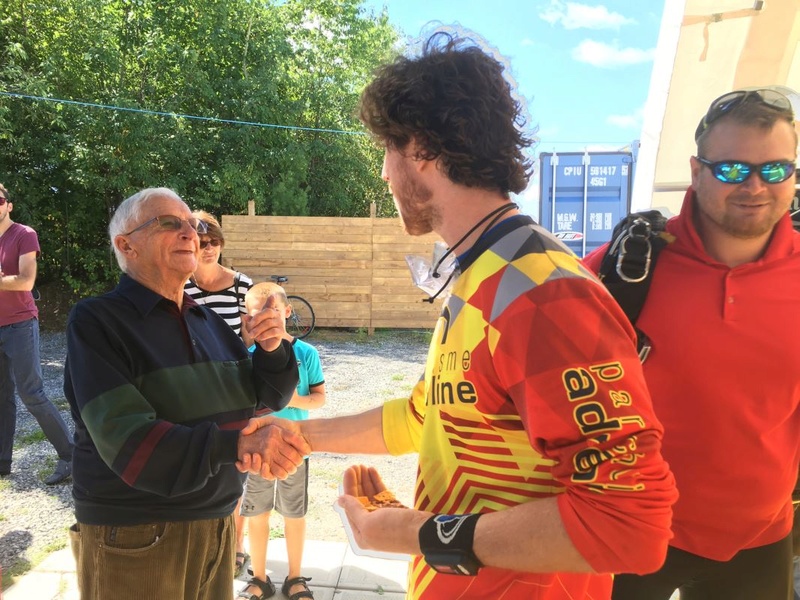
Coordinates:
(20, 366)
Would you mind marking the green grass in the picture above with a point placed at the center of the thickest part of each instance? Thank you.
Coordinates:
(15, 571)
(25, 564)
(46, 467)
(30, 438)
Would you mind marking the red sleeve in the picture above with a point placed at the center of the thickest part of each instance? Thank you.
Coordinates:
(594, 258)
(577, 382)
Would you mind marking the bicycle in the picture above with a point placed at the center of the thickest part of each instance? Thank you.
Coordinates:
(301, 322)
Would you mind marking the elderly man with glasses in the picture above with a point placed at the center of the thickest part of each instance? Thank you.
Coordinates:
(20, 366)
(723, 369)
(160, 388)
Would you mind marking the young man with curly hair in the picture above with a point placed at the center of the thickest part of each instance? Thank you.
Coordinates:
(540, 471)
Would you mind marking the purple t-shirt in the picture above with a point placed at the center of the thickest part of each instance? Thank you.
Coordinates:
(18, 240)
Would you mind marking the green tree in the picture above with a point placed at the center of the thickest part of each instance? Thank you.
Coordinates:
(291, 70)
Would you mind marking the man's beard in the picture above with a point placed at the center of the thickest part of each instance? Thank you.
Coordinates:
(413, 201)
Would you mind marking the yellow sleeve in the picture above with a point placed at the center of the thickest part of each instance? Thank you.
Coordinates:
(402, 424)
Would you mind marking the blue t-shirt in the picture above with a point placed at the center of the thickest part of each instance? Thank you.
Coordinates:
(310, 368)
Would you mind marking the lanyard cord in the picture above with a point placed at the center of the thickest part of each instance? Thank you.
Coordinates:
(496, 213)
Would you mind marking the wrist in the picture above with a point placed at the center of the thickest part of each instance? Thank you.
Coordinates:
(446, 543)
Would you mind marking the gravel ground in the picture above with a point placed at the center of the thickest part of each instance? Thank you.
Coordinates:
(360, 372)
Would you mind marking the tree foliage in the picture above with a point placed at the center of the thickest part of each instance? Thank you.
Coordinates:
(297, 65)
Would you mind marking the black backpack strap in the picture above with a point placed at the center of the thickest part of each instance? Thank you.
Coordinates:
(627, 266)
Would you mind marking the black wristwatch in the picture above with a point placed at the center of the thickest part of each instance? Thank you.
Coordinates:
(446, 544)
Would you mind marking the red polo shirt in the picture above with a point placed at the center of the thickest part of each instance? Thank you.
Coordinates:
(725, 381)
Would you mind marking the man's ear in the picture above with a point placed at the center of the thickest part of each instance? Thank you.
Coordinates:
(420, 165)
(695, 166)
(123, 245)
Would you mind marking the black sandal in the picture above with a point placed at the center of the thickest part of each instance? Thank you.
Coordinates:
(288, 583)
(242, 558)
(267, 589)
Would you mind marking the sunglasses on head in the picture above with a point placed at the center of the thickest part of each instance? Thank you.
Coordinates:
(727, 102)
(736, 171)
(172, 223)
(205, 243)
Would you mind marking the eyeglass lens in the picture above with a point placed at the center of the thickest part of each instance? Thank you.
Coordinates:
(205, 243)
(3, 200)
(173, 223)
(738, 172)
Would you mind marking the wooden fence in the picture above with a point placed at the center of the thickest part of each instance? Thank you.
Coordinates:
(352, 270)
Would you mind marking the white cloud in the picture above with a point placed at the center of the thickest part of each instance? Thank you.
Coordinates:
(572, 15)
(623, 121)
(632, 121)
(610, 56)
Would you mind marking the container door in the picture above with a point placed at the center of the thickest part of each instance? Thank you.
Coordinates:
(582, 196)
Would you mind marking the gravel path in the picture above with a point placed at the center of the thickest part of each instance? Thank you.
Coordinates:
(360, 373)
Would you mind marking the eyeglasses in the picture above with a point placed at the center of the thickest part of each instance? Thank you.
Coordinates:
(731, 100)
(4, 199)
(204, 243)
(736, 171)
(173, 223)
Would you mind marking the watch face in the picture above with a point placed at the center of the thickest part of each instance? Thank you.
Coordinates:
(452, 563)
(450, 569)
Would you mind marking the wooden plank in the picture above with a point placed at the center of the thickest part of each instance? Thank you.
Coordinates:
(402, 281)
(239, 222)
(302, 255)
(344, 322)
(320, 246)
(411, 306)
(341, 276)
(336, 236)
(289, 266)
(352, 270)
(381, 302)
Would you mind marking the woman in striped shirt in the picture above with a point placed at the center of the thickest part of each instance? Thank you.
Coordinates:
(222, 290)
(219, 288)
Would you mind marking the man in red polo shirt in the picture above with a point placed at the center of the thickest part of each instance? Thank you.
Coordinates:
(723, 366)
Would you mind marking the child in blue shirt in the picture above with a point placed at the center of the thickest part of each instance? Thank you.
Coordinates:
(290, 496)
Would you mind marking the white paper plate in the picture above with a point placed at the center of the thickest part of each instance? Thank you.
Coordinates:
(354, 545)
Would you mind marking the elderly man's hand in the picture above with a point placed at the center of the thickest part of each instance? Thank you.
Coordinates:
(272, 448)
(266, 327)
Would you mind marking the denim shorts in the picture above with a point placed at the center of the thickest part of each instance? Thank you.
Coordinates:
(288, 496)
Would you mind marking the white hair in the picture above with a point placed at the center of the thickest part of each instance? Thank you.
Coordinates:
(129, 214)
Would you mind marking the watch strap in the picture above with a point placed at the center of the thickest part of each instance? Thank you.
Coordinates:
(450, 537)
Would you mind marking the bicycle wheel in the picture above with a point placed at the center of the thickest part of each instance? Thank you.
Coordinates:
(301, 322)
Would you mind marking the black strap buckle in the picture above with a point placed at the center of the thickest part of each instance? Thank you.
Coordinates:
(635, 252)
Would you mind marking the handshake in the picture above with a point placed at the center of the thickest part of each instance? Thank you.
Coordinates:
(272, 448)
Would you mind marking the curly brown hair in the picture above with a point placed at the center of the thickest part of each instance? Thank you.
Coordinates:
(455, 104)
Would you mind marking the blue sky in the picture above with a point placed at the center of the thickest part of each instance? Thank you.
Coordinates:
(583, 67)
